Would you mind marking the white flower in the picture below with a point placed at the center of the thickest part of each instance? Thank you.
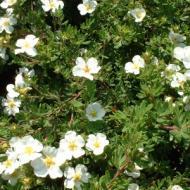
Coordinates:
(9, 11)
(27, 45)
(71, 145)
(138, 14)
(168, 99)
(6, 24)
(76, 176)
(176, 187)
(177, 39)
(3, 53)
(133, 186)
(186, 99)
(49, 164)
(28, 149)
(95, 112)
(170, 70)
(178, 80)
(135, 173)
(11, 105)
(187, 74)
(183, 55)
(9, 166)
(52, 5)
(86, 69)
(12, 93)
(134, 67)
(88, 6)
(173, 67)
(20, 85)
(96, 143)
(7, 3)
(181, 93)
(26, 73)
(12, 178)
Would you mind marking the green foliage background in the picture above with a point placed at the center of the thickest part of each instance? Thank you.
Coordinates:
(136, 113)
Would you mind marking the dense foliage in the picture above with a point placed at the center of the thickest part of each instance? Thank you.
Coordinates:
(142, 126)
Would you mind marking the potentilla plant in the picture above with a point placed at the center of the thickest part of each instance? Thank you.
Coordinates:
(94, 95)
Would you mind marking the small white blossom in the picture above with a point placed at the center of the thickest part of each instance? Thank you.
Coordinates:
(86, 69)
(26, 73)
(95, 112)
(11, 91)
(176, 187)
(138, 14)
(3, 53)
(6, 24)
(76, 176)
(52, 5)
(12, 178)
(168, 99)
(170, 70)
(178, 80)
(135, 173)
(28, 149)
(96, 143)
(133, 186)
(183, 55)
(20, 85)
(134, 67)
(71, 145)
(9, 166)
(7, 3)
(11, 106)
(27, 45)
(88, 6)
(49, 164)
(177, 39)
(187, 74)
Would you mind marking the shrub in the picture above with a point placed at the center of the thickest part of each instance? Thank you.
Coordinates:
(108, 88)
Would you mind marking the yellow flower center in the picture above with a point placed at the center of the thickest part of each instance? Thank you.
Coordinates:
(77, 176)
(88, 7)
(136, 66)
(49, 161)
(139, 14)
(72, 146)
(86, 69)
(6, 22)
(93, 113)
(10, 2)
(97, 144)
(26, 45)
(26, 181)
(23, 91)
(11, 103)
(29, 150)
(8, 163)
(52, 4)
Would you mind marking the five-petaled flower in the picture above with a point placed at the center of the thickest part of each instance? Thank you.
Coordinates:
(7, 3)
(86, 69)
(27, 45)
(52, 5)
(71, 145)
(76, 176)
(138, 14)
(96, 143)
(134, 67)
(49, 163)
(95, 112)
(6, 24)
(88, 6)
